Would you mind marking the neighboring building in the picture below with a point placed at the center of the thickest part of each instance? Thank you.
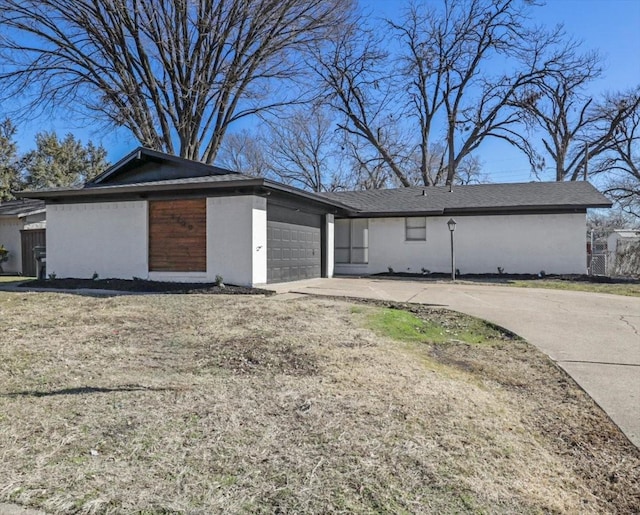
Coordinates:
(623, 252)
(22, 227)
(160, 217)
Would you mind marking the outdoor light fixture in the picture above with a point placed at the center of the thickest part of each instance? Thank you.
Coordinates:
(452, 227)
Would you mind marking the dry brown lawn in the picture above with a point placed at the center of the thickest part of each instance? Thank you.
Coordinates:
(217, 404)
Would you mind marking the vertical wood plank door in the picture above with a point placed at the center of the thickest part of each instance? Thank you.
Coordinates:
(178, 235)
(31, 238)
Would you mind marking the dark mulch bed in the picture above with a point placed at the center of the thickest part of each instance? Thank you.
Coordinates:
(142, 286)
(514, 277)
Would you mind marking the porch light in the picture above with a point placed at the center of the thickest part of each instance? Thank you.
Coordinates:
(452, 227)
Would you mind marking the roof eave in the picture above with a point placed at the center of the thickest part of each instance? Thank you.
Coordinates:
(393, 214)
(478, 211)
(23, 214)
(31, 213)
(525, 208)
(284, 188)
(141, 189)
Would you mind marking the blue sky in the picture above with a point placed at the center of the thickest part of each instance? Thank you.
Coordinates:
(610, 26)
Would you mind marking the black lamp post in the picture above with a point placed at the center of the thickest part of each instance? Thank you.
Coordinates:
(452, 227)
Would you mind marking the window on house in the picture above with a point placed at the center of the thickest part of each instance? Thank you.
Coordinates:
(352, 241)
(415, 229)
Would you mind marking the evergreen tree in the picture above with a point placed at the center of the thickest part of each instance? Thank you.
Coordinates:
(9, 168)
(62, 163)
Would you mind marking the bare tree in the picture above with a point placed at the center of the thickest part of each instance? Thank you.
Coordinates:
(302, 150)
(432, 166)
(299, 148)
(469, 171)
(356, 74)
(574, 128)
(367, 170)
(175, 73)
(602, 222)
(621, 163)
(440, 90)
(244, 152)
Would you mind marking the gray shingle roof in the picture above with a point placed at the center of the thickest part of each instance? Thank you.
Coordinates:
(137, 174)
(231, 176)
(223, 181)
(19, 208)
(473, 198)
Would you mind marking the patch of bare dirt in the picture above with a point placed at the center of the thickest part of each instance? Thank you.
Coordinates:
(257, 355)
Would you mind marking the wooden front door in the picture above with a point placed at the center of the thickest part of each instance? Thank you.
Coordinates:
(178, 235)
(31, 238)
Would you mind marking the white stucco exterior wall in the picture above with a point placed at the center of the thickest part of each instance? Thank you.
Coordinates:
(11, 240)
(554, 243)
(259, 241)
(330, 238)
(109, 238)
(237, 239)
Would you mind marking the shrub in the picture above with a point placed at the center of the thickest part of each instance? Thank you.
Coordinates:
(4, 256)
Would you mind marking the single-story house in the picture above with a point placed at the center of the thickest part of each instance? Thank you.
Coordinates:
(22, 227)
(160, 217)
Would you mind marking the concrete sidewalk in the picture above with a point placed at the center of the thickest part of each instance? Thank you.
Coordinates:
(594, 337)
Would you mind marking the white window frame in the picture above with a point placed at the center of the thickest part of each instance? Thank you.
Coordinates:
(415, 228)
(351, 246)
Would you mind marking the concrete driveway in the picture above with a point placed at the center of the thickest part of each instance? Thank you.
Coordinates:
(594, 337)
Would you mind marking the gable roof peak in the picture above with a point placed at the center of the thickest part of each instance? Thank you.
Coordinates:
(168, 167)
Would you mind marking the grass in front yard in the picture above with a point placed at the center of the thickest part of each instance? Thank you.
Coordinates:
(627, 289)
(8, 279)
(439, 328)
(210, 404)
